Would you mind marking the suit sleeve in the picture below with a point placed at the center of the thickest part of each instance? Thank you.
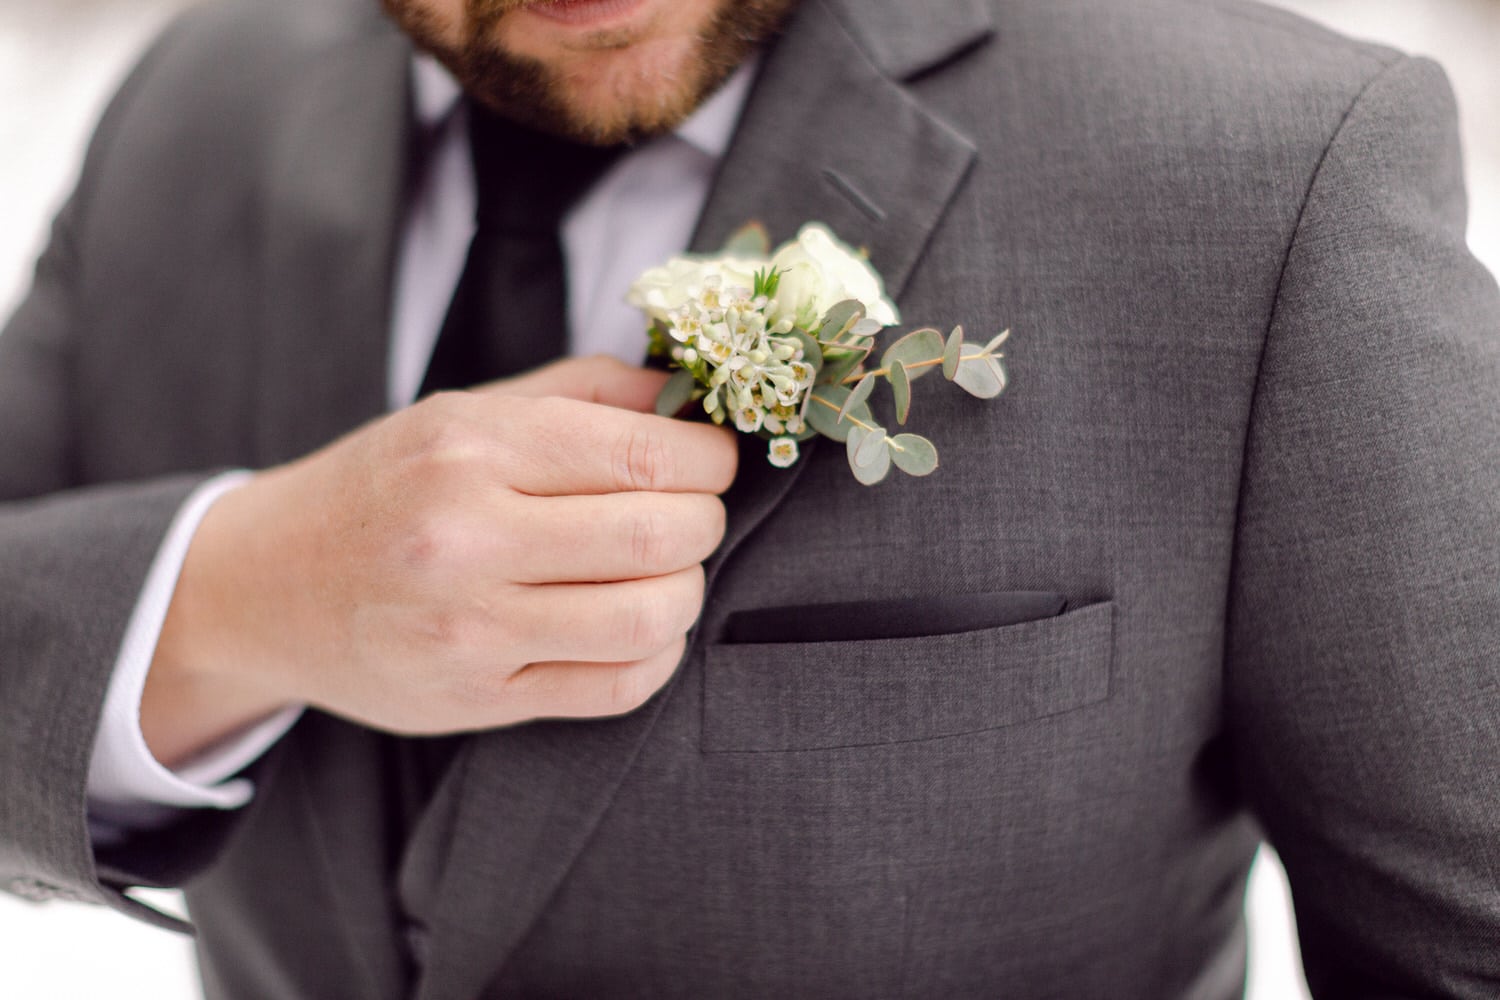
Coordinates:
(73, 558)
(1363, 661)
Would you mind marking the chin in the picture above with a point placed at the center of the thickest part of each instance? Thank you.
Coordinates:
(647, 89)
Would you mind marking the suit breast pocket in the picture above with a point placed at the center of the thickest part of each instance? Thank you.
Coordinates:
(781, 696)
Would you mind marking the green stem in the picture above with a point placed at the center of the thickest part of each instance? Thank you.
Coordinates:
(848, 416)
(885, 372)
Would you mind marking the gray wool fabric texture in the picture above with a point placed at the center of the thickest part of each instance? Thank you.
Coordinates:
(1252, 437)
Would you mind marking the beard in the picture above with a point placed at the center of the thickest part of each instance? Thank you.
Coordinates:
(644, 104)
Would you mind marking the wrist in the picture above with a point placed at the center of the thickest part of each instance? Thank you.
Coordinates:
(210, 677)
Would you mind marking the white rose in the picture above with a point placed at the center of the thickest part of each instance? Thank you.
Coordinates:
(818, 271)
(662, 289)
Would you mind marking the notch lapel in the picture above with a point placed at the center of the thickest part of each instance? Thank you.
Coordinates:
(826, 136)
(334, 203)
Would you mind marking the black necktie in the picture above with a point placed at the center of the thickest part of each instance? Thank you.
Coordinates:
(509, 312)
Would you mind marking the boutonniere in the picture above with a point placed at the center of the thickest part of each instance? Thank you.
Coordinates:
(779, 344)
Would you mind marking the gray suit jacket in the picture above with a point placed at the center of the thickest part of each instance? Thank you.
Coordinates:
(1253, 437)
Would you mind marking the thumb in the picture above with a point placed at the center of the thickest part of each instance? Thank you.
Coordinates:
(599, 379)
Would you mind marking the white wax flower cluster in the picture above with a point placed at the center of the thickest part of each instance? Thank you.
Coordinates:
(731, 319)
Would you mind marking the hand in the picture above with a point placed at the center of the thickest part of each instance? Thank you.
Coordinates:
(531, 549)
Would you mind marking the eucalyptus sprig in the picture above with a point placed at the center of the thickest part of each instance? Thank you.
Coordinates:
(842, 413)
(755, 352)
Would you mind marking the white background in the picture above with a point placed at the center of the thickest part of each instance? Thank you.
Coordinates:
(59, 59)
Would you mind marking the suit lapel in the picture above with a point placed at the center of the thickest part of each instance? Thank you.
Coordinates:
(827, 136)
(511, 817)
(334, 198)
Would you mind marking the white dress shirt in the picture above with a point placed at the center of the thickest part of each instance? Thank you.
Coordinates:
(639, 214)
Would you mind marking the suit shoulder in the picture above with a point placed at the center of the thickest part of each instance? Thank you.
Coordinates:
(197, 113)
(268, 32)
(215, 78)
(1163, 85)
(1233, 59)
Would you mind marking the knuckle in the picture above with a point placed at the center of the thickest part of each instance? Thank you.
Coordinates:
(649, 535)
(446, 443)
(445, 629)
(642, 459)
(459, 635)
(430, 543)
(650, 626)
(441, 410)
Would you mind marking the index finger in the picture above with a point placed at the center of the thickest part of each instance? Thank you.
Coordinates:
(573, 447)
(597, 379)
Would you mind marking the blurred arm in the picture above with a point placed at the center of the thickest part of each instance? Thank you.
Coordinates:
(1364, 654)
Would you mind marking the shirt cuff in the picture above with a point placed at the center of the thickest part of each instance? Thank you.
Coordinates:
(128, 788)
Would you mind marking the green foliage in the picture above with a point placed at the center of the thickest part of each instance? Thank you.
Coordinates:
(901, 390)
(951, 353)
(981, 376)
(826, 406)
(840, 362)
(919, 351)
(812, 352)
(860, 393)
(767, 281)
(913, 454)
(869, 456)
(838, 319)
(681, 389)
(750, 240)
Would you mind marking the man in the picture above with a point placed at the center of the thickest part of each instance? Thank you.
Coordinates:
(1252, 445)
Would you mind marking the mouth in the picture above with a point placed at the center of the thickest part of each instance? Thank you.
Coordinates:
(584, 13)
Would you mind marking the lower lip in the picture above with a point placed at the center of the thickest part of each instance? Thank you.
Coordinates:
(584, 13)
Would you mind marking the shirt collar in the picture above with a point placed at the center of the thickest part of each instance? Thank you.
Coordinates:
(708, 130)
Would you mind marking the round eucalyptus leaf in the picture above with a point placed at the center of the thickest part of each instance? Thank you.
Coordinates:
(811, 352)
(996, 369)
(913, 454)
(869, 446)
(952, 352)
(838, 364)
(901, 389)
(867, 327)
(862, 390)
(678, 392)
(920, 347)
(977, 378)
(750, 240)
(839, 318)
(823, 411)
(874, 471)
